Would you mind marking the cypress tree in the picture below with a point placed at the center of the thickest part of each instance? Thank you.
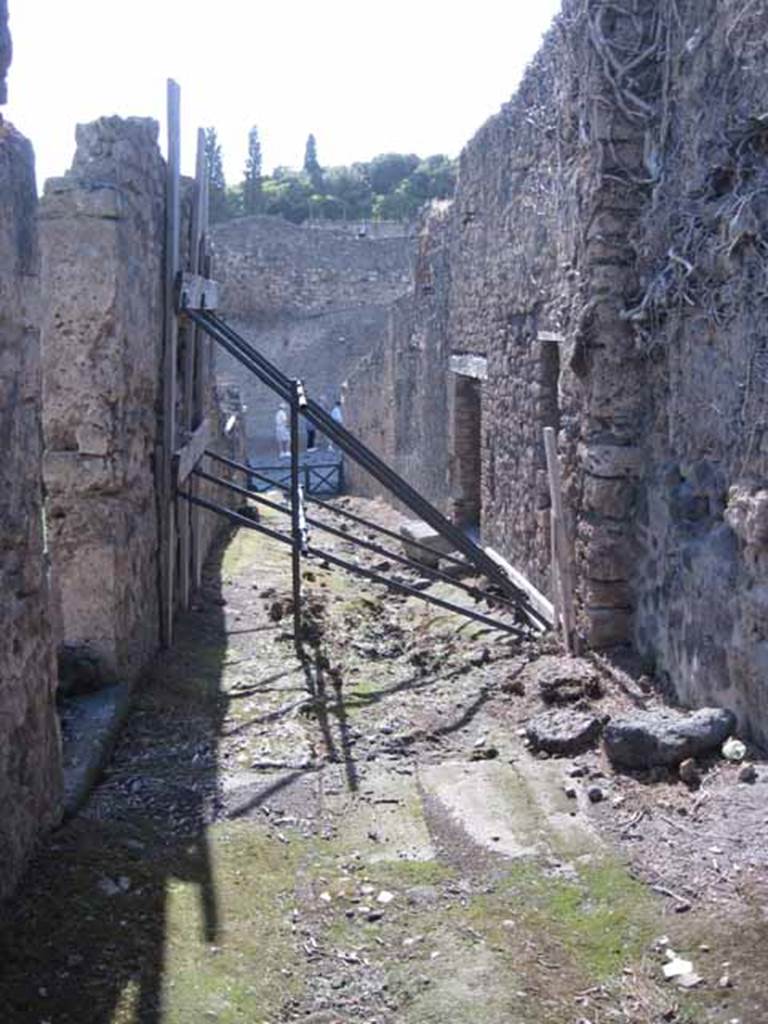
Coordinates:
(252, 194)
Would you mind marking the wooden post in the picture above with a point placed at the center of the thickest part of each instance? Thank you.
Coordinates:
(170, 336)
(562, 578)
(196, 390)
(203, 344)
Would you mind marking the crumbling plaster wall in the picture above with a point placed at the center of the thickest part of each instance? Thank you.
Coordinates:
(30, 757)
(314, 300)
(617, 205)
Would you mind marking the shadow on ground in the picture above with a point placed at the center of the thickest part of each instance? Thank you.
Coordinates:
(94, 927)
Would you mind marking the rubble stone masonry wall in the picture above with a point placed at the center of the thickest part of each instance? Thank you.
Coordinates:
(101, 236)
(314, 300)
(397, 396)
(30, 758)
(606, 251)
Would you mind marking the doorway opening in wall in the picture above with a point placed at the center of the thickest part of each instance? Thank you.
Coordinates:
(466, 461)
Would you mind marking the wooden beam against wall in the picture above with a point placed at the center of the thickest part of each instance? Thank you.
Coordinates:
(198, 266)
(188, 456)
(562, 557)
(170, 336)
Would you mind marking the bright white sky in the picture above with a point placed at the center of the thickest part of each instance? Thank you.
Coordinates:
(366, 77)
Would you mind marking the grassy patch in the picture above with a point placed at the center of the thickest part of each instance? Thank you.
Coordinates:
(120, 926)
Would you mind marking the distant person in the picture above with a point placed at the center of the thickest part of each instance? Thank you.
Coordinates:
(310, 437)
(282, 433)
(337, 416)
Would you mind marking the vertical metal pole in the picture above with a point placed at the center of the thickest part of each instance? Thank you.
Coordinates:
(296, 515)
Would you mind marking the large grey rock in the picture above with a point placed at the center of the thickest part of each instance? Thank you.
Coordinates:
(667, 737)
(563, 732)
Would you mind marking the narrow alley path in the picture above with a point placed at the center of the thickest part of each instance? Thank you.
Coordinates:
(382, 849)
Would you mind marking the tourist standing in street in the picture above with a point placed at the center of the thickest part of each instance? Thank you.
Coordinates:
(282, 433)
(337, 416)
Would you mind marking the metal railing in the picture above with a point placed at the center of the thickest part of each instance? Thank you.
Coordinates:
(317, 477)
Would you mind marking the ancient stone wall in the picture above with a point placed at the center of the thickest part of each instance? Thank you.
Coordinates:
(102, 235)
(606, 252)
(701, 323)
(397, 395)
(30, 757)
(313, 299)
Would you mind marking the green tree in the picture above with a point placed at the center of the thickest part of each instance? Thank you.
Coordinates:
(288, 196)
(434, 178)
(252, 181)
(312, 168)
(350, 186)
(217, 187)
(401, 204)
(387, 170)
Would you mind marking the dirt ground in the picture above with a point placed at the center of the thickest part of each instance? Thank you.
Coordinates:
(365, 836)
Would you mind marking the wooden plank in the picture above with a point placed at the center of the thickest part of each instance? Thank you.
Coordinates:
(188, 456)
(561, 548)
(198, 399)
(541, 603)
(556, 339)
(203, 345)
(172, 228)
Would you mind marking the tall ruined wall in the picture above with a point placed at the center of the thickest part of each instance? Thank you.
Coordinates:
(701, 323)
(607, 254)
(397, 394)
(514, 230)
(313, 300)
(102, 236)
(30, 760)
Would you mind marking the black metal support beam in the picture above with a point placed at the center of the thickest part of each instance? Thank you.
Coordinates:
(376, 549)
(358, 570)
(335, 509)
(245, 353)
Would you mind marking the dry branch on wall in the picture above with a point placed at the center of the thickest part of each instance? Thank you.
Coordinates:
(627, 56)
